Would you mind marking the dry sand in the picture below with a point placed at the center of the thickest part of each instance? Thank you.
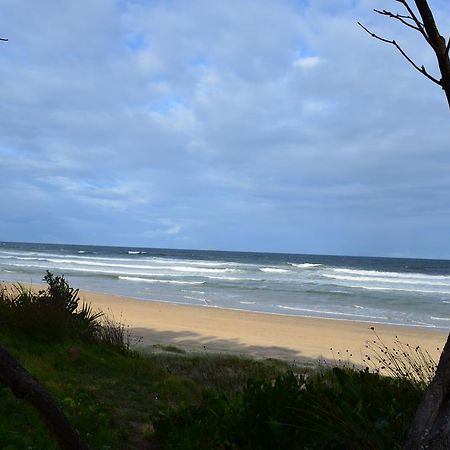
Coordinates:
(210, 329)
(305, 340)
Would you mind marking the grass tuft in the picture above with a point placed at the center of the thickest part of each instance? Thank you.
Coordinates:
(401, 361)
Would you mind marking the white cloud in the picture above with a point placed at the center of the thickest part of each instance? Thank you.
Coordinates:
(307, 62)
(174, 230)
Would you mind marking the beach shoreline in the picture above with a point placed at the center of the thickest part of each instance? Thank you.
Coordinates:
(291, 338)
(305, 340)
(373, 290)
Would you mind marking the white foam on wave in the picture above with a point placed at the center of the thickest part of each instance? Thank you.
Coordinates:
(151, 280)
(18, 253)
(224, 278)
(20, 258)
(48, 257)
(86, 257)
(377, 273)
(102, 264)
(272, 270)
(192, 262)
(305, 265)
(133, 252)
(143, 266)
(189, 297)
(121, 268)
(210, 277)
(96, 271)
(337, 313)
(387, 280)
(439, 318)
(379, 288)
(198, 269)
(247, 303)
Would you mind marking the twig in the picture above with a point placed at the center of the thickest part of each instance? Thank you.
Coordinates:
(421, 69)
(419, 24)
(399, 17)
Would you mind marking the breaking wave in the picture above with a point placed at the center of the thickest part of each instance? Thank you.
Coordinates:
(152, 280)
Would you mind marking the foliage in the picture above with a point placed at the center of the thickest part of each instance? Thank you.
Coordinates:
(335, 409)
(50, 314)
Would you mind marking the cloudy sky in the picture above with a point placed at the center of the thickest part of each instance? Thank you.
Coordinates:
(261, 125)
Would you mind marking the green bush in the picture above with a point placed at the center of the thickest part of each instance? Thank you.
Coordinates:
(50, 314)
(335, 409)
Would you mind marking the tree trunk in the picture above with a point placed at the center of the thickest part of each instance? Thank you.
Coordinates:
(430, 428)
(438, 44)
(23, 385)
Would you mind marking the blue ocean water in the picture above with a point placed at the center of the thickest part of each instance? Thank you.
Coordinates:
(414, 292)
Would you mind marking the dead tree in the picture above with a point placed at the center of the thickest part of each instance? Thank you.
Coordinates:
(431, 425)
(422, 22)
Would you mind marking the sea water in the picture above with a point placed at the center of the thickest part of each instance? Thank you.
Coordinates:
(413, 292)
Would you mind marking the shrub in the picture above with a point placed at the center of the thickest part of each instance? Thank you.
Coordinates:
(49, 314)
(334, 409)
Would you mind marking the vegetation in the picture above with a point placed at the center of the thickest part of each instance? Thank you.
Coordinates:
(117, 398)
(335, 409)
(400, 361)
(50, 314)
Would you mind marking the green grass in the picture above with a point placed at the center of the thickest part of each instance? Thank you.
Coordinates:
(169, 399)
(112, 397)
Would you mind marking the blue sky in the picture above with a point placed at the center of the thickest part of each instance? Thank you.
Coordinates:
(261, 125)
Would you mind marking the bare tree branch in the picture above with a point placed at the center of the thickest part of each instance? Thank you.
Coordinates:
(448, 46)
(421, 69)
(3, 39)
(401, 18)
(418, 23)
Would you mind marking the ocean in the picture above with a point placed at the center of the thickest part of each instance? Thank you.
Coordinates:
(412, 292)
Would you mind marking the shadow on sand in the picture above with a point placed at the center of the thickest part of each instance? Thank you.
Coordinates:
(193, 342)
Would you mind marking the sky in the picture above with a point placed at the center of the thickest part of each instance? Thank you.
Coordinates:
(252, 125)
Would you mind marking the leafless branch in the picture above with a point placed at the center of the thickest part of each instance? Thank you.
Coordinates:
(3, 39)
(418, 23)
(448, 46)
(421, 69)
(401, 18)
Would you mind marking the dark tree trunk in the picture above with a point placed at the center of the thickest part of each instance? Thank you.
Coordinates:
(431, 425)
(23, 385)
(437, 43)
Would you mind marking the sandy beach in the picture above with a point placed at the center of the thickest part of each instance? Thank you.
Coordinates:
(291, 338)
(305, 340)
